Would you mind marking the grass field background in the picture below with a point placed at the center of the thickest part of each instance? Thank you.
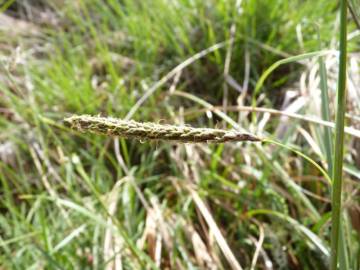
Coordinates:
(79, 201)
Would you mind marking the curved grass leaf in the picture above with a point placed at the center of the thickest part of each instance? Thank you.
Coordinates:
(299, 227)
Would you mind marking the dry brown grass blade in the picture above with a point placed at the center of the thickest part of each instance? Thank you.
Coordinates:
(44, 179)
(229, 54)
(150, 236)
(162, 232)
(157, 234)
(202, 256)
(228, 254)
(205, 258)
(112, 243)
(258, 244)
(13, 27)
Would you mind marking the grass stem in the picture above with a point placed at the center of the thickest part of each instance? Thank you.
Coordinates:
(339, 140)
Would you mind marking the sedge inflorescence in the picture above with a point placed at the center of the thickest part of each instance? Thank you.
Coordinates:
(153, 131)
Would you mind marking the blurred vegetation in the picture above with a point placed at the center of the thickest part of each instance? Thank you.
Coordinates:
(75, 201)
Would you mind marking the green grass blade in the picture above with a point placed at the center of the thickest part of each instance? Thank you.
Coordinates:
(75, 233)
(339, 140)
(355, 11)
(325, 111)
(323, 172)
(299, 227)
(328, 145)
(277, 64)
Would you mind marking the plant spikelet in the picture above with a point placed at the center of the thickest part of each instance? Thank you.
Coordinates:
(152, 131)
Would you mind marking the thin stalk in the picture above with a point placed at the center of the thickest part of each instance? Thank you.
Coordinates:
(339, 140)
(325, 110)
(328, 143)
